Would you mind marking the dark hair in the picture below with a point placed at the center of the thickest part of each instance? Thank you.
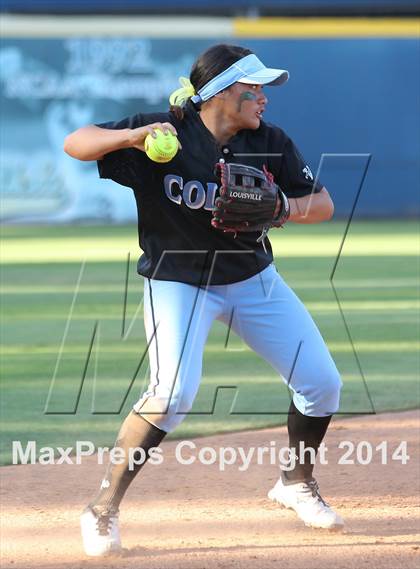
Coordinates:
(209, 64)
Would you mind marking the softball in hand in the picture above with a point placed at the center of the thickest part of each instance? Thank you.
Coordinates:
(162, 148)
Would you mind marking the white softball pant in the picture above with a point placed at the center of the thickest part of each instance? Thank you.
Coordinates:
(267, 315)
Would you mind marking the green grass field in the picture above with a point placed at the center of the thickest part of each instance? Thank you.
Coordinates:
(376, 280)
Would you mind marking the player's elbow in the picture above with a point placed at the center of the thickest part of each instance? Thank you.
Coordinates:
(328, 205)
(72, 148)
(329, 210)
(76, 147)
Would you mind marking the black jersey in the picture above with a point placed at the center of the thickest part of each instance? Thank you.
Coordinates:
(174, 200)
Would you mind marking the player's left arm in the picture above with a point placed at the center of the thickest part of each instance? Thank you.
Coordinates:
(308, 198)
(312, 208)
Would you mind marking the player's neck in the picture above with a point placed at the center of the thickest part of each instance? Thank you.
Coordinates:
(221, 129)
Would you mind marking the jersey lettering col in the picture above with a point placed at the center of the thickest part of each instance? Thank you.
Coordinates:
(174, 200)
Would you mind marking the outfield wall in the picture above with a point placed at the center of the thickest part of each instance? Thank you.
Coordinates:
(353, 100)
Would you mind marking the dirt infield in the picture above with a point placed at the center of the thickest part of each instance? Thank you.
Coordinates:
(185, 517)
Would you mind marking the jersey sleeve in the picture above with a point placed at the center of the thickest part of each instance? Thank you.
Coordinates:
(295, 176)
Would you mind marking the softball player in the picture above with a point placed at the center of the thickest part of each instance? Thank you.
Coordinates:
(194, 273)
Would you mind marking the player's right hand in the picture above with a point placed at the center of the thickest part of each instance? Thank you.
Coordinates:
(138, 135)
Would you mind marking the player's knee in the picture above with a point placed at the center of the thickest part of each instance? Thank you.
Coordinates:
(320, 398)
(164, 413)
(327, 400)
(164, 422)
(179, 409)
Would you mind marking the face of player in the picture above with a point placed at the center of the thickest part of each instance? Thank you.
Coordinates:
(245, 104)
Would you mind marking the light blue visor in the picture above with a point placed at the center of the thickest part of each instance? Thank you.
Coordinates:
(248, 70)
